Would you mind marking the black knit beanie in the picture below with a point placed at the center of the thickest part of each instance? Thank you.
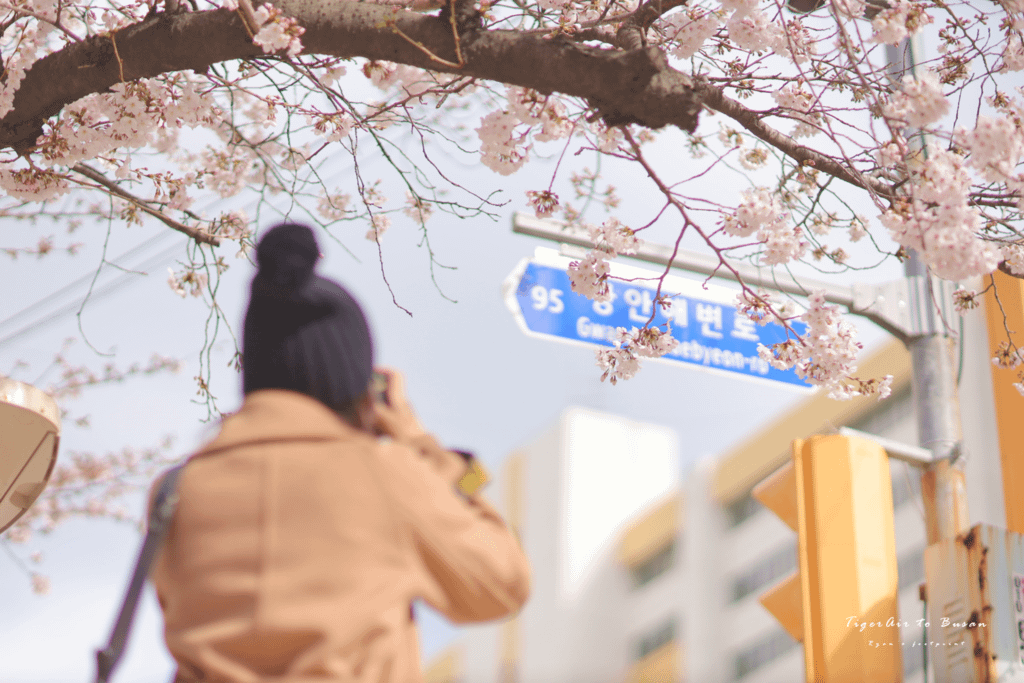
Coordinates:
(303, 332)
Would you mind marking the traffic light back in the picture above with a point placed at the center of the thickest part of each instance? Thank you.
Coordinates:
(847, 619)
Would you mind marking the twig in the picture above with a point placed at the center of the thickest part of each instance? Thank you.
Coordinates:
(30, 13)
(714, 98)
(120, 64)
(455, 32)
(633, 31)
(194, 233)
(423, 48)
(248, 15)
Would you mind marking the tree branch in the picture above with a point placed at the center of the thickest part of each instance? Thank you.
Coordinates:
(714, 98)
(94, 175)
(29, 13)
(633, 31)
(634, 86)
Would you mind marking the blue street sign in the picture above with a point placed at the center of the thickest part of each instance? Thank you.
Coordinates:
(711, 333)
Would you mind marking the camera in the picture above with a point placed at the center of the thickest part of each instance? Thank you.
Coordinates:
(380, 387)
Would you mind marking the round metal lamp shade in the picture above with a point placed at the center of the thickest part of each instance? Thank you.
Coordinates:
(29, 436)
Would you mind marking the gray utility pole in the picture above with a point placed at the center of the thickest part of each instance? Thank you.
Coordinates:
(916, 310)
(943, 487)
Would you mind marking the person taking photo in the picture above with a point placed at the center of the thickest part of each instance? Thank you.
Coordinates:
(308, 526)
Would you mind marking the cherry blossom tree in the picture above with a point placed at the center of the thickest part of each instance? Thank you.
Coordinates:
(835, 128)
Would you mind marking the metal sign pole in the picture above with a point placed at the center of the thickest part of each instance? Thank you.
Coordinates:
(943, 487)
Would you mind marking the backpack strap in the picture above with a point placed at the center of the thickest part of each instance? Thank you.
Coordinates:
(160, 514)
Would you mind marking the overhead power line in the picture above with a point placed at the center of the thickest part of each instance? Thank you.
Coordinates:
(32, 308)
(122, 280)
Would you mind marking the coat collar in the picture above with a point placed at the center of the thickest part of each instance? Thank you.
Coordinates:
(279, 415)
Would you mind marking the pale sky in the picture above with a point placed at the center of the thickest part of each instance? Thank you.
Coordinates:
(476, 380)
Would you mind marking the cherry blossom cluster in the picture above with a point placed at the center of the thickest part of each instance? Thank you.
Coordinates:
(589, 277)
(800, 103)
(965, 300)
(1013, 255)
(623, 362)
(92, 486)
(764, 307)
(501, 149)
(188, 282)
(938, 220)
(332, 126)
(416, 208)
(544, 202)
(379, 223)
(131, 115)
(826, 354)
(749, 28)
(1013, 53)
(920, 102)
(31, 183)
(234, 225)
(22, 48)
(614, 238)
(333, 206)
(504, 149)
(690, 29)
(277, 32)
(760, 211)
(996, 145)
(899, 21)
(44, 247)
(1009, 357)
(75, 378)
(413, 82)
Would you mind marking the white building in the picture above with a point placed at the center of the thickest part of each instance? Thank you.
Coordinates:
(639, 576)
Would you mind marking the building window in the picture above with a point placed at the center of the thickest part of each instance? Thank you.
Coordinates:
(762, 652)
(742, 509)
(662, 635)
(775, 566)
(654, 566)
(910, 569)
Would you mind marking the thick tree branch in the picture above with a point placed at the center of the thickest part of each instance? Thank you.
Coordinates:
(94, 175)
(632, 34)
(714, 98)
(634, 86)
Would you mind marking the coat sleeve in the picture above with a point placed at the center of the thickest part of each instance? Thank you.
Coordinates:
(473, 566)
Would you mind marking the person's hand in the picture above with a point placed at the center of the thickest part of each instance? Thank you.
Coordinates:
(395, 418)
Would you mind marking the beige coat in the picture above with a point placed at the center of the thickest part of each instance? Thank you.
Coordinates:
(300, 543)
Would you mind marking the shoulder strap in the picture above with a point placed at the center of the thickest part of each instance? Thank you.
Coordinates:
(160, 514)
